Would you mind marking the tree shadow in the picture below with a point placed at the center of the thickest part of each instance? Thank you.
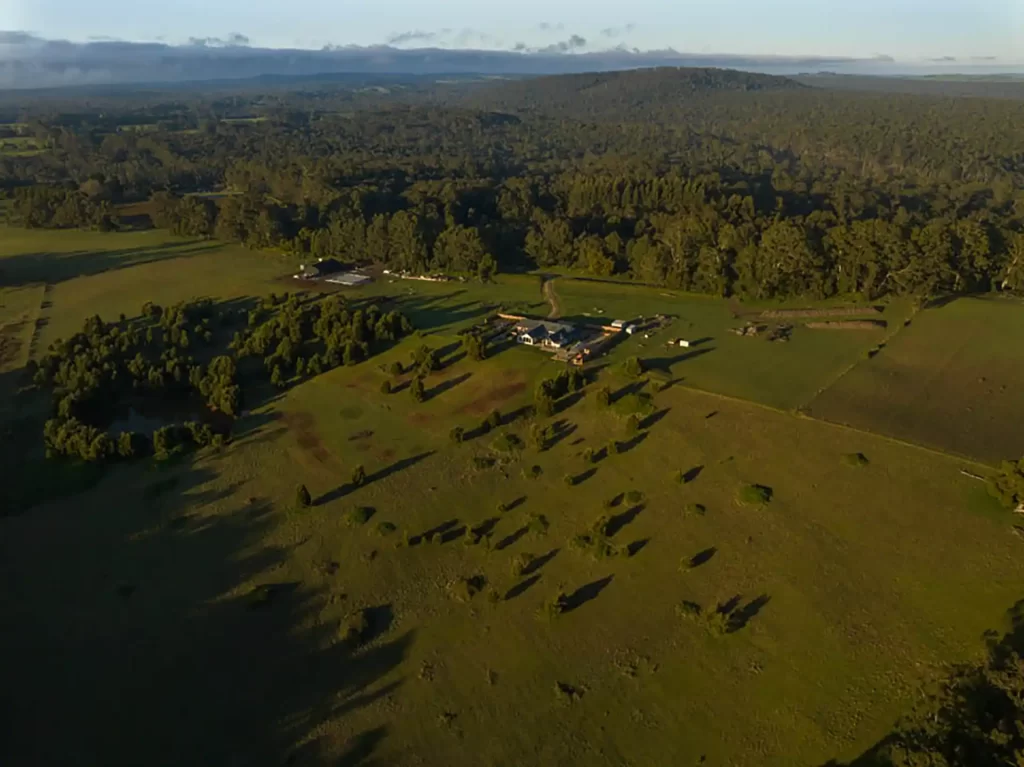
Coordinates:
(440, 530)
(511, 538)
(633, 387)
(446, 386)
(619, 521)
(579, 479)
(568, 401)
(739, 618)
(633, 442)
(586, 593)
(702, 557)
(521, 588)
(665, 363)
(378, 476)
(636, 547)
(139, 636)
(691, 474)
(360, 751)
(538, 562)
(654, 418)
(563, 430)
(486, 527)
(515, 504)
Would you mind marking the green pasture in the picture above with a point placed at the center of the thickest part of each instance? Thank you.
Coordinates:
(853, 587)
(951, 380)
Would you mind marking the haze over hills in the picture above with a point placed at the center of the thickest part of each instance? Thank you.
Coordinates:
(28, 61)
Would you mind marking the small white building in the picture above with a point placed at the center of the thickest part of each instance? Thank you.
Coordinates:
(684, 343)
(618, 324)
(630, 329)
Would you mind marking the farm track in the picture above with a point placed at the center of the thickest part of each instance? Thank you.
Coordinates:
(548, 289)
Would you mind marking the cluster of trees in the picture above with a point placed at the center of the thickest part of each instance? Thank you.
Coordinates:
(714, 182)
(55, 207)
(550, 390)
(171, 361)
(305, 338)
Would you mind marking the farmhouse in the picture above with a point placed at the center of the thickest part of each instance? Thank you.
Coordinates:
(319, 270)
(550, 335)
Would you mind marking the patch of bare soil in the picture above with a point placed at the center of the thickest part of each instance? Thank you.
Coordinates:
(487, 402)
(838, 311)
(302, 425)
(848, 325)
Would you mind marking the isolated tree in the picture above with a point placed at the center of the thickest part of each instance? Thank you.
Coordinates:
(302, 497)
(494, 419)
(603, 396)
(456, 435)
(385, 387)
(359, 476)
(416, 389)
(634, 368)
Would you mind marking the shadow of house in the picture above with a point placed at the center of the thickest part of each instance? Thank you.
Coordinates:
(586, 593)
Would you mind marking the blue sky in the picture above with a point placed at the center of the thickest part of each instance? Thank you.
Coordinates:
(908, 30)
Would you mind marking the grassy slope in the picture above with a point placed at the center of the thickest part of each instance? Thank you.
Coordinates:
(876, 577)
(950, 380)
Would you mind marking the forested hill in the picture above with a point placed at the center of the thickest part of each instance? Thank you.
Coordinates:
(628, 95)
(718, 182)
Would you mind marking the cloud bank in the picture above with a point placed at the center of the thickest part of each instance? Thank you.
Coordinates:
(28, 61)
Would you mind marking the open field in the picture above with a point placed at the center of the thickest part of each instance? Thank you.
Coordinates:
(783, 375)
(849, 590)
(951, 380)
(824, 611)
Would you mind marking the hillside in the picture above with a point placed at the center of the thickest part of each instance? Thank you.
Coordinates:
(617, 95)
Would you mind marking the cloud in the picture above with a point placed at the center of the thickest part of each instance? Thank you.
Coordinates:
(617, 31)
(883, 57)
(547, 27)
(234, 40)
(943, 58)
(574, 43)
(416, 36)
(983, 58)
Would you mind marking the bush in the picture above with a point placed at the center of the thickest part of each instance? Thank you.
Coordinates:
(755, 495)
(396, 369)
(507, 443)
(695, 509)
(534, 472)
(456, 435)
(569, 480)
(588, 455)
(302, 497)
(354, 628)
(856, 459)
(385, 387)
(634, 368)
(520, 562)
(538, 525)
(386, 528)
(633, 425)
(613, 447)
(689, 610)
(634, 496)
(494, 419)
(603, 396)
(464, 589)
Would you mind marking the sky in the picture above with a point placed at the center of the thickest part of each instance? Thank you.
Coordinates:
(935, 31)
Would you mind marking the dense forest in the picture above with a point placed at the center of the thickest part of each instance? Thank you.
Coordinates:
(710, 181)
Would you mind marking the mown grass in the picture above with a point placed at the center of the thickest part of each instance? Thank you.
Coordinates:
(951, 380)
(833, 603)
(784, 375)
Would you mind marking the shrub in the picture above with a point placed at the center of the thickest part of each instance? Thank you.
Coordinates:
(632, 424)
(396, 368)
(538, 525)
(360, 515)
(588, 455)
(534, 472)
(354, 628)
(634, 496)
(385, 387)
(507, 443)
(856, 459)
(494, 419)
(689, 610)
(569, 480)
(464, 589)
(634, 368)
(695, 509)
(613, 447)
(755, 495)
(520, 562)
(386, 528)
(302, 497)
(603, 396)
(456, 435)
(502, 507)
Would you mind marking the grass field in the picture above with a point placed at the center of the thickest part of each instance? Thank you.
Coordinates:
(850, 589)
(781, 375)
(951, 380)
(185, 608)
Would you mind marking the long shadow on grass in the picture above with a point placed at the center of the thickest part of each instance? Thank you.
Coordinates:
(619, 521)
(587, 593)
(446, 386)
(521, 588)
(538, 562)
(632, 443)
(182, 632)
(377, 476)
(654, 418)
(666, 363)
